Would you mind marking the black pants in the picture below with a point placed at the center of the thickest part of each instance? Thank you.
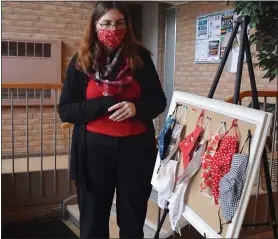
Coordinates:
(122, 163)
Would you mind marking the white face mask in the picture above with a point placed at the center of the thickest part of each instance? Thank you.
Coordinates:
(164, 179)
(176, 201)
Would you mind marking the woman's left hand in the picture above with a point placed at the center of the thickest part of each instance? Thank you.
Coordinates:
(123, 111)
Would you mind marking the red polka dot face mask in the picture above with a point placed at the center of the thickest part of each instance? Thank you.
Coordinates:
(111, 37)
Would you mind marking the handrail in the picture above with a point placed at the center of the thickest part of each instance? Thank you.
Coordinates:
(242, 95)
(31, 86)
(66, 125)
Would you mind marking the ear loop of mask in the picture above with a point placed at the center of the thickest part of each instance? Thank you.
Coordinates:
(174, 115)
(175, 110)
(222, 128)
(249, 136)
(180, 116)
(200, 120)
(234, 125)
(220, 223)
(207, 128)
(174, 150)
(248, 139)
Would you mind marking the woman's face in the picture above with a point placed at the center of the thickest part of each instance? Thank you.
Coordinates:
(113, 18)
(111, 29)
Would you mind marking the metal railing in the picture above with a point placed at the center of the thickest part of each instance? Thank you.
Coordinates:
(39, 113)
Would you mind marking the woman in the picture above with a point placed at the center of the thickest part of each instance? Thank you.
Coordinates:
(111, 94)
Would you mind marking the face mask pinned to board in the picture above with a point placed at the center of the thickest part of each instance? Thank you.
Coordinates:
(164, 179)
(188, 145)
(212, 146)
(164, 136)
(221, 162)
(231, 185)
(176, 201)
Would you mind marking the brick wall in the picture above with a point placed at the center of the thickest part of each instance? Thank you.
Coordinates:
(160, 51)
(64, 21)
(197, 78)
(34, 135)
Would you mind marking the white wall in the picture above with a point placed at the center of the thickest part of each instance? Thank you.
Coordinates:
(150, 27)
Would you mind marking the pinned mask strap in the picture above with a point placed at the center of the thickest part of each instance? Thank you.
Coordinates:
(248, 139)
(200, 120)
(182, 116)
(234, 125)
(175, 110)
(206, 127)
(220, 222)
(222, 127)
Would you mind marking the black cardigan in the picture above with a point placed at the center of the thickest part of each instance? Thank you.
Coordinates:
(76, 109)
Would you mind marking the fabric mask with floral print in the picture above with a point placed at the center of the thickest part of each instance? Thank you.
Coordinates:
(111, 37)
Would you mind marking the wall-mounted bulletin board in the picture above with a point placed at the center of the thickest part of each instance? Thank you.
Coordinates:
(210, 32)
(199, 210)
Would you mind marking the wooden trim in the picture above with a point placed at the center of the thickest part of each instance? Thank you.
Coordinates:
(66, 125)
(244, 94)
(31, 86)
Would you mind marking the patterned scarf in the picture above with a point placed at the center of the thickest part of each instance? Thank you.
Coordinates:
(112, 82)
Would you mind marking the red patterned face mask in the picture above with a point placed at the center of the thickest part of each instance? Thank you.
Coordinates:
(111, 38)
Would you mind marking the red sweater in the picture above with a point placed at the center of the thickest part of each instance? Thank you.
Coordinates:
(104, 125)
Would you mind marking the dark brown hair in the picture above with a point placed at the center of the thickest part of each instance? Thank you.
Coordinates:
(91, 53)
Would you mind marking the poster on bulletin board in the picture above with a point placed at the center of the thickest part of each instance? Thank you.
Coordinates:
(210, 33)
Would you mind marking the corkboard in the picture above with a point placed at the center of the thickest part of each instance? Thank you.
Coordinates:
(200, 212)
(195, 197)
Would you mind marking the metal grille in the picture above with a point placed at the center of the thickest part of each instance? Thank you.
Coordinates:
(26, 49)
(21, 94)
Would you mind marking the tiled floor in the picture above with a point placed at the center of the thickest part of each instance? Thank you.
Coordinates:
(114, 231)
(115, 234)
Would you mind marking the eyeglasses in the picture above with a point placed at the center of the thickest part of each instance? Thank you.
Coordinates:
(118, 25)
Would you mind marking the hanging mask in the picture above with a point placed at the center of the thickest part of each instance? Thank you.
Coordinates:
(221, 162)
(165, 134)
(176, 201)
(164, 178)
(206, 177)
(231, 185)
(111, 37)
(187, 146)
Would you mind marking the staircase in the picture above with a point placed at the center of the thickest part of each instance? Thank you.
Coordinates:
(72, 215)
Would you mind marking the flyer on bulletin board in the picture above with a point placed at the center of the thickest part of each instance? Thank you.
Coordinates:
(202, 30)
(201, 50)
(211, 32)
(213, 50)
(215, 25)
(227, 22)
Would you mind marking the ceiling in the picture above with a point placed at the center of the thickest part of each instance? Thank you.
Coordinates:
(175, 2)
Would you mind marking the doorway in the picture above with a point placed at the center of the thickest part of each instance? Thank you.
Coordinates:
(135, 13)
